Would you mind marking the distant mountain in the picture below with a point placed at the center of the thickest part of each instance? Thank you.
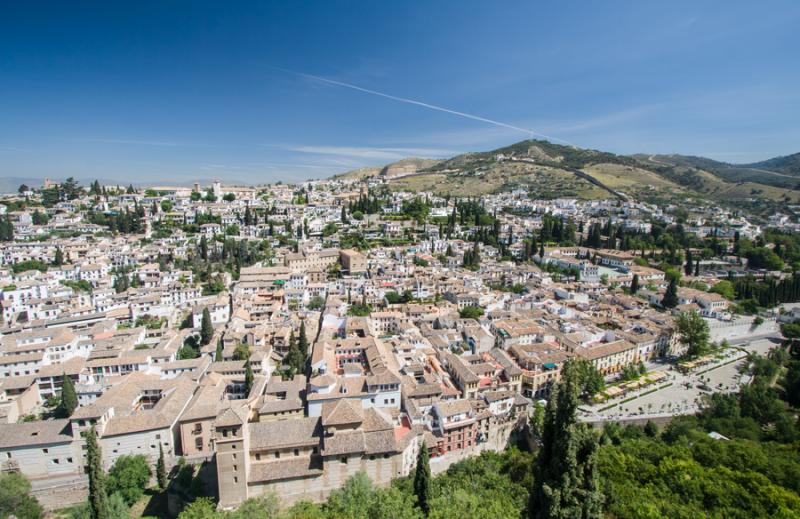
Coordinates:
(788, 165)
(11, 184)
(782, 172)
(552, 170)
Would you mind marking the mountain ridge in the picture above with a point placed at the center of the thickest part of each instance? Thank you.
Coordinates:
(547, 167)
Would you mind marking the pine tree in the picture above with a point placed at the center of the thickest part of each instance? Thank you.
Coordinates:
(670, 299)
(69, 398)
(565, 482)
(248, 378)
(422, 480)
(635, 284)
(161, 469)
(206, 328)
(98, 499)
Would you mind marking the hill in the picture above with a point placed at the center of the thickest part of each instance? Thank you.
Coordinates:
(780, 172)
(549, 170)
(787, 165)
(400, 168)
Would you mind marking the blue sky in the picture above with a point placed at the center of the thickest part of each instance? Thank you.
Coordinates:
(174, 91)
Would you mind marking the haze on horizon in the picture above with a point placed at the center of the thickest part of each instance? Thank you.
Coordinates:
(176, 91)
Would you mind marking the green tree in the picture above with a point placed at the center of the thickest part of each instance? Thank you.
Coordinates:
(129, 477)
(241, 352)
(353, 500)
(791, 330)
(201, 508)
(248, 377)
(590, 380)
(69, 398)
(635, 284)
(693, 331)
(565, 474)
(470, 312)
(117, 509)
(98, 499)
(422, 480)
(302, 342)
(263, 507)
(670, 299)
(316, 303)
(218, 354)
(725, 289)
(15, 498)
(206, 328)
(58, 260)
(161, 469)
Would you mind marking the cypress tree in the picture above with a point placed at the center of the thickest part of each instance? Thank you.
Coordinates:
(98, 499)
(218, 353)
(689, 266)
(565, 482)
(635, 284)
(422, 480)
(161, 469)
(248, 378)
(302, 342)
(59, 258)
(670, 299)
(206, 328)
(69, 399)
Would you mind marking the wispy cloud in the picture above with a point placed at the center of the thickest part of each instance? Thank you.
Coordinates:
(527, 131)
(371, 153)
(602, 120)
(144, 142)
(11, 149)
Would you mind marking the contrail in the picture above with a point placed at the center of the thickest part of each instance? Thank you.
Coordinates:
(526, 131)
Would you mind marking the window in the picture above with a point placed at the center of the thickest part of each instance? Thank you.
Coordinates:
(297, 452)
(344, 460)
(45, 450)
(198, 443)
(258, 456)
(235, 479)
(277, 454)
(69, 460)
(56, 461)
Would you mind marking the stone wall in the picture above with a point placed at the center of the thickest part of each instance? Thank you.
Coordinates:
(739, 328)
(56, 494)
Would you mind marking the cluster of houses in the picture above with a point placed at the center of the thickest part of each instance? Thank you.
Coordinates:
(394, 362)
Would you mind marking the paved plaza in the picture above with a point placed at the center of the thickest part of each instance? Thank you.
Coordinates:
(679, 393)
